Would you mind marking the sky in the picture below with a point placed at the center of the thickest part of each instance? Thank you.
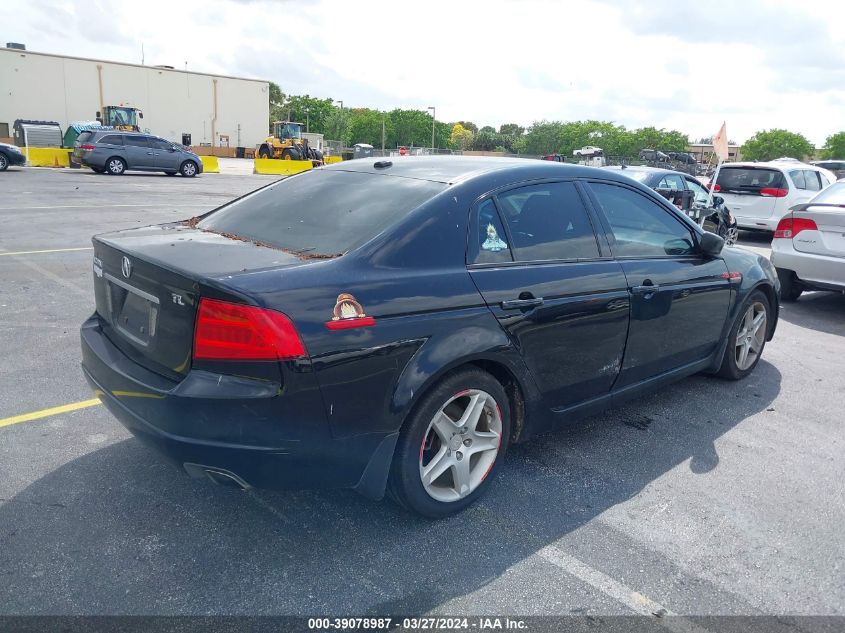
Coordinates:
(675, 64)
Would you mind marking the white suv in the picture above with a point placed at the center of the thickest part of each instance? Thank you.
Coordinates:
(760, 194)
(808, 249)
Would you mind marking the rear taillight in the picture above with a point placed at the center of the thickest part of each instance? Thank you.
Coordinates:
(790, 226)
(231, 331)
(772, 192)
(87, 148)
(716, 187)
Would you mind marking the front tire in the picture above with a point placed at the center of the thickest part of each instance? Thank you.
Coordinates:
(115, 166)
(4, 162)
(188, 169)
(747, 338)
(452, 445)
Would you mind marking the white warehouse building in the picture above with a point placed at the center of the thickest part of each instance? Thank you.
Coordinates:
(214, 109)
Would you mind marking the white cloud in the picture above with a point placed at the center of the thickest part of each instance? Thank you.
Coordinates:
(670, 64)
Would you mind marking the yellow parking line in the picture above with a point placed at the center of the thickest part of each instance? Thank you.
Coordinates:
(37, 415)
(54, 250)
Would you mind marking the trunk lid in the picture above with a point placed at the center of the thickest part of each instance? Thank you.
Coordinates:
(829, 239)
(147, 284)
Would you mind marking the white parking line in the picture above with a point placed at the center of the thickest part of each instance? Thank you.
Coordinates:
(52, 250)
(620, 592)
(109, 206)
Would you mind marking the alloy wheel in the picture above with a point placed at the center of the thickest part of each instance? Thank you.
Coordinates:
(116, 166)
(732, 236)
(189, 169)
(460, 445)
(3, 162)
(751, 336)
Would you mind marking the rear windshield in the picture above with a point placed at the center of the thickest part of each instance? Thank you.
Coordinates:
(750, 179)
(84, 136)
(835, 194)
(322, 212)
(639, 176)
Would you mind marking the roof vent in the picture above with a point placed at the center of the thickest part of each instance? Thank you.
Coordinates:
(383, 164)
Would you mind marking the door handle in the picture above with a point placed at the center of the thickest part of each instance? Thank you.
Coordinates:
(519, 304)
(646, 289)
(149, 153)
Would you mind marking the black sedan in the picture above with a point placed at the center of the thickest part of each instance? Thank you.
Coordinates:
(394, 326)
(689, 195)
(10, 155)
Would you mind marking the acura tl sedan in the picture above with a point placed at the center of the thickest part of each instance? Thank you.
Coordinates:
(393, 326)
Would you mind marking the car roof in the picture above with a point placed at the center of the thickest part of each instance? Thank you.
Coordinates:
(453, 169)
(645, 169)
(772, 164)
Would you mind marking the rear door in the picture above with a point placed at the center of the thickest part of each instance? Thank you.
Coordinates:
(679, 297)
(139, 154)
(751, 193)
(552, 285)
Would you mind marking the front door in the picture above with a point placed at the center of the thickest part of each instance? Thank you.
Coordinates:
(166, 157)
(679, 296)
(535, 258)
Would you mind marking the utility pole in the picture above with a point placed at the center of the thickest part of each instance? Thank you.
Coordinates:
(433, 120)
(382, 135)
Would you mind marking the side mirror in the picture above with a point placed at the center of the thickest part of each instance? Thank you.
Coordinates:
(710, 244)
(718, 201)
(173, 148)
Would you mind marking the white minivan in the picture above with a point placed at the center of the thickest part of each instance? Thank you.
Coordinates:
(760, 194)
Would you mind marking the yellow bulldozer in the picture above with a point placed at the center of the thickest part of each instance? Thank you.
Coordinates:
(286, 143)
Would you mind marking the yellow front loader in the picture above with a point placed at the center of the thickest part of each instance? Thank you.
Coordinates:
(286, 143)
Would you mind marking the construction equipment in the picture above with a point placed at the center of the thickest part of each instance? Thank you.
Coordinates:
(286, 143)
(122, 118)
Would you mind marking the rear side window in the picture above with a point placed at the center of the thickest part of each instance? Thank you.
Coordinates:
(491, 240)
(322, 212)
(641, 227)
(136, 141)
(671, 181)
(548, 221)
(112, 139)
(811, 178)
(749, 179)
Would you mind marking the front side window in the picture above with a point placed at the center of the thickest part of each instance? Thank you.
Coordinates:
(136, 141)
(160, 144)
(641, 227)
(547, 222)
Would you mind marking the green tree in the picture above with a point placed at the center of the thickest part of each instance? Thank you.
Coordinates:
(365, 126)
(337, 126)
(413, 128)
(307, 110)
(486, 140)
(511, 129)
(776, 143)
(276, 98)
(460, 138)
(469, 125)
(834, 146)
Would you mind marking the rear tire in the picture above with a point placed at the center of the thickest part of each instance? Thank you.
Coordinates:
(747, 338)
(188, 169)
(452, 445)
(115, 166)
(790, 287)
(4, 162)
(290, 154)
(264, 152)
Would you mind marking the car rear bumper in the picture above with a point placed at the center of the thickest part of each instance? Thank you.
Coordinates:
(822, 270)
(759, 224)
(234, 430)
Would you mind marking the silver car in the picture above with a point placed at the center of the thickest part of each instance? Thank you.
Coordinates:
(114, 152)
(808, 249)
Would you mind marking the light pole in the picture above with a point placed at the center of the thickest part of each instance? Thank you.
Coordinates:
(432, 127)
(307, 127)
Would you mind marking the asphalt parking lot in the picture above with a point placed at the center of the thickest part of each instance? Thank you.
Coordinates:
(709, 497)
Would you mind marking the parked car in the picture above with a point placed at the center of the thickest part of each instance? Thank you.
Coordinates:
(835, 166)
(114, 152)
(653, 155)
(759, 194)
(808, 249)
(435, 310)
(10, 155)
(716, 218)
(683, 157)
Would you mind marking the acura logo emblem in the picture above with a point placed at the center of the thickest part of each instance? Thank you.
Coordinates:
(126, 267)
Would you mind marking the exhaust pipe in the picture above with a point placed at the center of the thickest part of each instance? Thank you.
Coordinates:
(219, 476)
